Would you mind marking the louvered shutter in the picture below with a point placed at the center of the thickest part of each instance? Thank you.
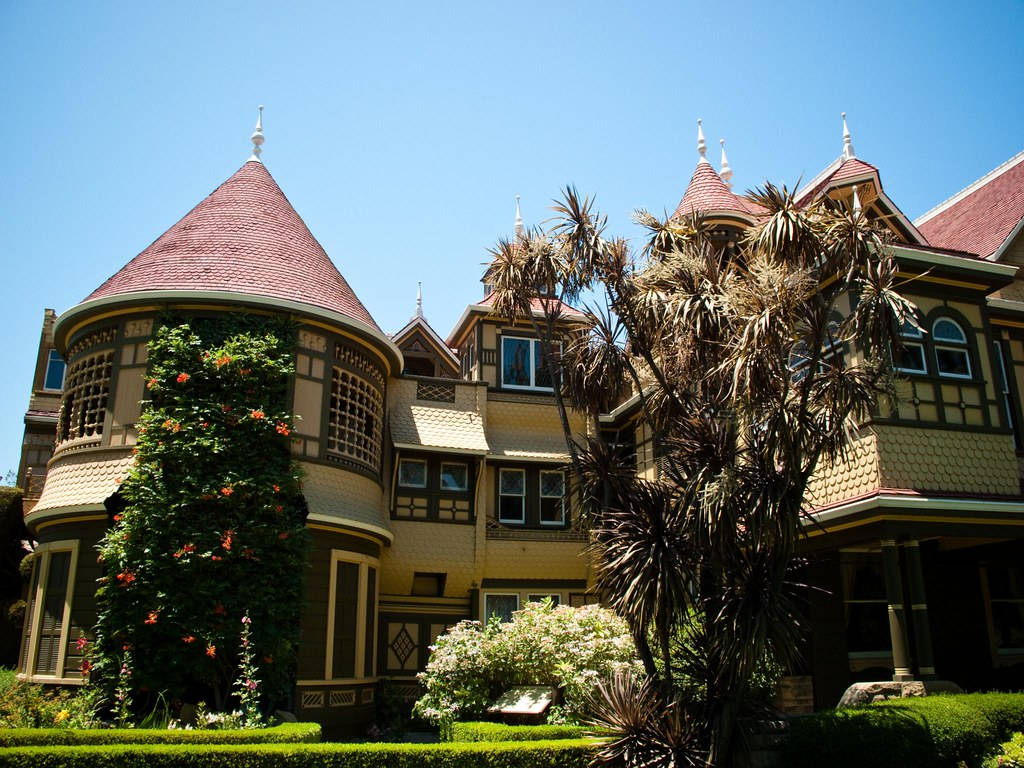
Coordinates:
(52, 620)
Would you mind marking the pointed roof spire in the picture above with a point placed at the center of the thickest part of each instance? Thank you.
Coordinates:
(856, 202)
(419, 301)
(519, 228)
(726, 172)
(847, 145)
(702, 147)
(257, 138)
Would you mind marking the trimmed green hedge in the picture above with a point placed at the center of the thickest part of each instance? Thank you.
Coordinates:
(534, 754)
(927, 732)
(484, 731)
(287, 733)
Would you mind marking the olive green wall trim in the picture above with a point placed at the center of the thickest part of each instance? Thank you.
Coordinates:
(68, 320)
(343, 525)
(966, 263)
(534, 584)
(37, 521)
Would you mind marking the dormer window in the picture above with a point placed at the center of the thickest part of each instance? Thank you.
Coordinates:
(522, 364)
(908, 356)
(952, 358)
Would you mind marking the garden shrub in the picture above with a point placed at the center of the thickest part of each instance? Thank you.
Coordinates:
(562, 646)
(286, 733)
(484, 731)
(212, 526)
(1010, 755)
(932, 732)
(29, 705)
(533, 754)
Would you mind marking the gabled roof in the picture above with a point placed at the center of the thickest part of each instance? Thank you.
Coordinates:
(244, 238)
(485, 307)
(983, 216)
(847, 171)
(707, 193)
(838, 170)
(420, 323)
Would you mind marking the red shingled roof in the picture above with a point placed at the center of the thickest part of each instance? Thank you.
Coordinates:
(981, 217)
(244, 238)
(537, 305)
(849, 168)
(707, 192)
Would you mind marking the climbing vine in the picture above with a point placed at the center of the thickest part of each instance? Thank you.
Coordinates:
(211, 521)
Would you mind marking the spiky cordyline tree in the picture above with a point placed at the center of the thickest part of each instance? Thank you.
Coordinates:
(753, 362)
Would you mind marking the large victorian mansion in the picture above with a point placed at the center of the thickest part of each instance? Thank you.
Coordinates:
(434, 464)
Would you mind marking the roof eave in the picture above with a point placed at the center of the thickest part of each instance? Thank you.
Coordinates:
(80, 313)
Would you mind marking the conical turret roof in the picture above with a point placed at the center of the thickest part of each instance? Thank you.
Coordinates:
(244, 238)
(708, 193)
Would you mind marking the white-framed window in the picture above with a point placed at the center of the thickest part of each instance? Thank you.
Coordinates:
(554, 597)
(908, 357)
(48, 613)
(351, 616)
(952, 358)
(512, 496)
(412, 473)
(454, 476)
(552, 497)
(522, 364)
(500, 604)
(53, 380)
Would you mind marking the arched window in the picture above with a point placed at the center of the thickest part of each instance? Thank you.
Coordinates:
(908, 356)
(952, 357)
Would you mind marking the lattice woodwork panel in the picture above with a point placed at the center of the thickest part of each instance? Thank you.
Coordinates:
(440, 393)
(356, 418)
(342, 698)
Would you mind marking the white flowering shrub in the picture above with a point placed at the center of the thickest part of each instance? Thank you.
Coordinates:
(570, 648)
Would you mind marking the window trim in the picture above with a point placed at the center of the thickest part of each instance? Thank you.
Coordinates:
(961, 346)
(521, 496)
(365, 562)
(426, 472)
(46, 371)
(532, 364)
(913, 336)
(485, 595)
(560, 523)
(44, 557)
(440, 477)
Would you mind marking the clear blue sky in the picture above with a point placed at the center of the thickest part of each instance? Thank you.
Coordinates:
(402, 131)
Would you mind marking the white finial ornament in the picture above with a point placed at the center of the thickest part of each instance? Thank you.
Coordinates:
(519, 228)
(419, 301)
(847, 145)
(702, 147)
(726, 173)
(257, 138)
(856, 202)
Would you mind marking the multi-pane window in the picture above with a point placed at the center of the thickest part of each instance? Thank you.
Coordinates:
(952, 358)
(552, 497)
(1006, 597)
(412, 473)
(522, 364)
(866, 608)
(54, 378)
(512, 495)
(454, 476)
(500, 605)
(356, 417)
(86, 389)
(908, 356)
